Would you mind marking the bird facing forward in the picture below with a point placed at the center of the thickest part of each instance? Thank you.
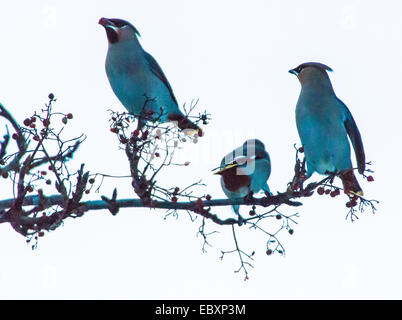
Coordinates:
(137, 79)
(245, 171)
(324, 123)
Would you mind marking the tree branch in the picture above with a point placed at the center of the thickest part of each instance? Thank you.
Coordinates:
(149, 147)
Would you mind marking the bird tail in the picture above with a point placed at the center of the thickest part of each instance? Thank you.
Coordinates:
(185, 124)
(350, 184)
(266, 190)
(236, 208)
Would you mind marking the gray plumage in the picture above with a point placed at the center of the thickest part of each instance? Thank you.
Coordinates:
(324, 124)
(246, 169)
(137, 79)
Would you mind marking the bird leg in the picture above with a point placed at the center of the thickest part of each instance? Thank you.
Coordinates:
(268, 194)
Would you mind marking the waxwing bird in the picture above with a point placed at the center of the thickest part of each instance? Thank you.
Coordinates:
(324, 123)
(245, 170)
(137, 79)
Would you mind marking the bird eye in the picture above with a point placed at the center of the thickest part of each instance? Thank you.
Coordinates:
(119, 23)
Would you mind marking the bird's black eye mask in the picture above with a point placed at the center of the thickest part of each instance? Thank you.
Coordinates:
(317, 65)
(298, 69)
(111, 31)
(118, 23)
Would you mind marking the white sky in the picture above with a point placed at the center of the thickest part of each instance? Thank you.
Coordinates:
(233, 56)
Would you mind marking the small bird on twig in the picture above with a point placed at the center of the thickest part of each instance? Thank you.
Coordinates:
(137, 79)
(245, 171)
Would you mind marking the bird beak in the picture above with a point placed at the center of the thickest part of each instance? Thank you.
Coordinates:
(106, 23)
(293, 71)
(220, 170)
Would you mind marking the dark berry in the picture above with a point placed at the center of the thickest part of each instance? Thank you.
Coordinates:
(123, 139)
(46, 122)
(136, 133)
(144, 135)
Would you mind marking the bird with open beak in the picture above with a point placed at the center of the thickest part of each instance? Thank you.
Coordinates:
(245, 171)
(324, 124)
(137, 79)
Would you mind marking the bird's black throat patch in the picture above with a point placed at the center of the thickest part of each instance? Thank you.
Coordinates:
(233, 182)
(112, 35)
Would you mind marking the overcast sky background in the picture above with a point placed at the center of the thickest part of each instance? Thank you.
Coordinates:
(233, 56)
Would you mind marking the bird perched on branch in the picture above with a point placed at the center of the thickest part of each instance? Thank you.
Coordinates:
(137, 79)
(245, 171)
(324, 123)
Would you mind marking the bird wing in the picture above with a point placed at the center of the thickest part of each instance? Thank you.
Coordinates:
(156, 70)
(354, 135)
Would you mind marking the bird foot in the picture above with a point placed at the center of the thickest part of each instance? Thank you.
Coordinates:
(241, 220)
(249, 199)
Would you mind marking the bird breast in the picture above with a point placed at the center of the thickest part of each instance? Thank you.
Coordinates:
(234, 180)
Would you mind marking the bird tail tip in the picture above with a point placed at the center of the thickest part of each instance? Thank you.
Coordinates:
(185, 124)
(350, 184)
